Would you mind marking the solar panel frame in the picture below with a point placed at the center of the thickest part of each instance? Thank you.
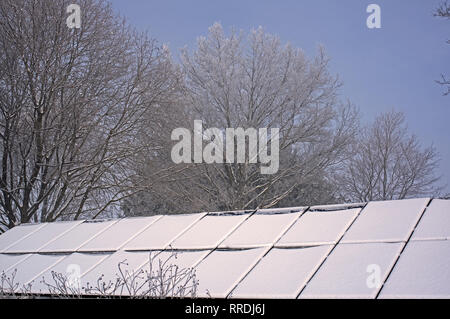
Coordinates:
(260, 230)
(16, 234)
(422, 271)
(195, 237)
(386, 221)
(78, 236)
(109, 270)
(318, 228)
(274, 275)
(63, 266)
(232, 265)
(32, 266)
(9, 261)
(113, 237)
(349, 267)
(435, 222)
(43, 236)
(158, 232)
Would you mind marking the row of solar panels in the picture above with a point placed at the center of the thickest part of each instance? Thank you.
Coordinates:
(323, 252)
(381, 222)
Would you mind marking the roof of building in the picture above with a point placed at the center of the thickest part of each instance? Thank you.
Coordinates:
(384, 249)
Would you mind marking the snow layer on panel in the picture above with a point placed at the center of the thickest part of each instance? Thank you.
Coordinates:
(281, 210)
(17, 233)
(260, 230)
(173, 268)
(161, 233)
(182, 259)
(386, 221)
(118, 234)
(422, 272)
(8, 261)
(353, 271)
(282, 273)
(41, 237)
(76, 237)
(31, 267)
(208, 232)
(219, 273)
(319, 228)
(230, 212)
(71, 268)
(108, 269)
(325, 208)
(435, 223)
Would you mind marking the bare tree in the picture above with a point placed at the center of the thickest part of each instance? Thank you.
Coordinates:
(389, 163)
(72, 102)
(231, 83)
(443, 11)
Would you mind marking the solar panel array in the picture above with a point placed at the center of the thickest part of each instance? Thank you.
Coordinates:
(387, 249)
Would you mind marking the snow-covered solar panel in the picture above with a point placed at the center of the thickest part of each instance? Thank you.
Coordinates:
(331, 251)
(421, 272)
(353, 271)
(167, 266)
(118, 234)
(313, 228)
(41, 237)
(282, 273)
(78, 236)
(16, 234)
(435, 223)
(219, 272)
(109, 269)
(70, 269)
(386, 221)
(8, 261)
(173, 268)
(163, 232)
(32, 266)
(182, 258)
(208, 232)
(260, 229)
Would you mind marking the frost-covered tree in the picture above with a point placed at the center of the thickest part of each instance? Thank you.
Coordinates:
(443, 11)
(389, 163)
(72, 102)
(256, 82)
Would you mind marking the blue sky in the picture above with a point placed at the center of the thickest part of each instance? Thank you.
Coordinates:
(394, 67)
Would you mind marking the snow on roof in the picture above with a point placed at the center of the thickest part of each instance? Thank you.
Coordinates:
(386, 249)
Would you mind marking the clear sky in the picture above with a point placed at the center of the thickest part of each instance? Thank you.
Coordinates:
(394, 67)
